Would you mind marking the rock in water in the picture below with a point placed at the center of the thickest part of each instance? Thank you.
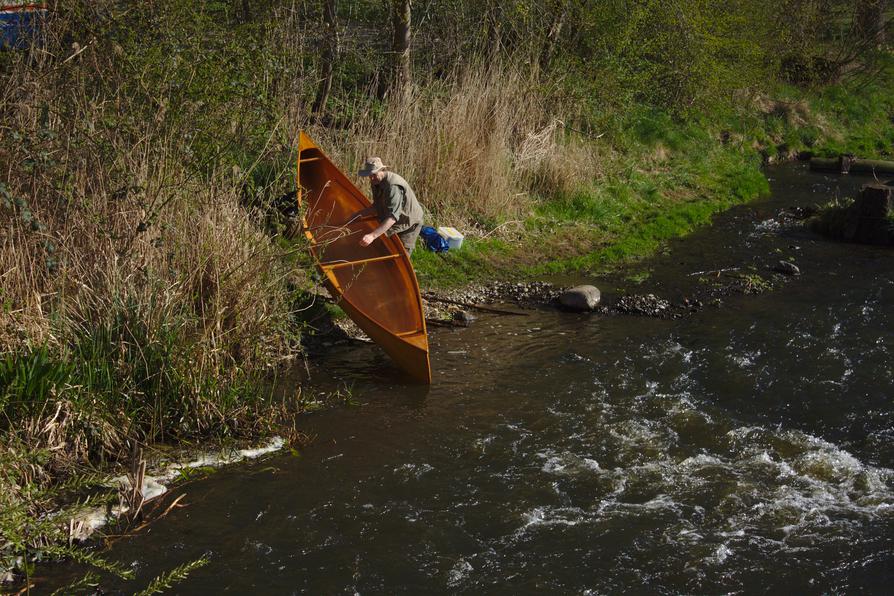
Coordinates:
(787, 268)
(463, 318)
(580, 298)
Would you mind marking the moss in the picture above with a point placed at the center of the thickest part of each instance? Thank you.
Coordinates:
(831, 219)
(335, 311)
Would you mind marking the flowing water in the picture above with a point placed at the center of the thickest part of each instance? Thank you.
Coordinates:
(745, 448)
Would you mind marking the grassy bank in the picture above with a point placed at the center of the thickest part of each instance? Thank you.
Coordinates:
(658, 177)
(150, 289)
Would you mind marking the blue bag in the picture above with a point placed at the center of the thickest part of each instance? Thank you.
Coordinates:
(432, 240)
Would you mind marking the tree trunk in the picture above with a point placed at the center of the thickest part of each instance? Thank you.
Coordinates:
(400, 14)
(330, 55)
(870, 21)
(552, 37)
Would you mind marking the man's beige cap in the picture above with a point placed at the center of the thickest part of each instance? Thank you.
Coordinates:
(371, 166)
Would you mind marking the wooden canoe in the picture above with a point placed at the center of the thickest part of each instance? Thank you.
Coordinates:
(375, 285)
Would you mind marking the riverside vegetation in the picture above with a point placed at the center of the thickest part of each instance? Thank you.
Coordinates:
(149, 279)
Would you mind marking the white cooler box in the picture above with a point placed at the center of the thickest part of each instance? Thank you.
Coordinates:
(452, 236)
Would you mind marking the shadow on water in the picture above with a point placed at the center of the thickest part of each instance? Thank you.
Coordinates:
(745, 447)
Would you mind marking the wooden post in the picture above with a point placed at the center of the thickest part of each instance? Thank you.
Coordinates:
(875, 201)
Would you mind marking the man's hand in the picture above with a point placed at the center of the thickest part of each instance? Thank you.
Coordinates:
(383, 227)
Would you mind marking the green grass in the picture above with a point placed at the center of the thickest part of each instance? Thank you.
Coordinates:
(642, 201)
(123, 376)
(475, 261)
(642, 239)
(625, 216)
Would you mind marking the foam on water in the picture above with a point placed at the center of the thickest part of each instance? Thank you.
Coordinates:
(748, 484)
(554, 516)
(767, 226)
(720, 555)
(567, 463)
(411, 471)
(459, 573)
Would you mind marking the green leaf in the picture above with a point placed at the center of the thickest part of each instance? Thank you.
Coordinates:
(167, 580)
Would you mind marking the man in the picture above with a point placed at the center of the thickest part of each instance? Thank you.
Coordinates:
(394, 203)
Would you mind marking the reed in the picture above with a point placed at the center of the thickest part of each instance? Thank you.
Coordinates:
(109, 223)
(479, 145)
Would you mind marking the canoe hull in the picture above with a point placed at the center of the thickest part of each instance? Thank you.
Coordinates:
(411, 357)
(375, 285)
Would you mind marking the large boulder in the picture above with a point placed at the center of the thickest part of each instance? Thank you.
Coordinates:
(868, 220)
(580, 298)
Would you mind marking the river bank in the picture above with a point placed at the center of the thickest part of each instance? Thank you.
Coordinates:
(701, 453)
(625, 286)
(570, 240)
(642, 200)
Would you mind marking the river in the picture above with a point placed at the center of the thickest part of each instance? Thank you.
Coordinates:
(744, 448)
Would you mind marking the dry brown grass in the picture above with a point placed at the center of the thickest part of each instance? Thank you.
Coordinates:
(127, 263)
(120, 220)
(476, 146)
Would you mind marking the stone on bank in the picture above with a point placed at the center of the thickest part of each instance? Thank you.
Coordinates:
(580, 298)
